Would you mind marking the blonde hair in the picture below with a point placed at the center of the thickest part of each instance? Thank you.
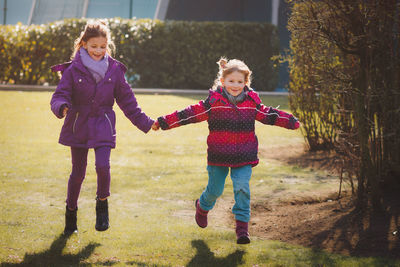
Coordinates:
(94, 28)
(227, 67)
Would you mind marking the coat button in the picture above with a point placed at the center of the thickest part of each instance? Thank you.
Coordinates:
(80, 80)
(109, 79)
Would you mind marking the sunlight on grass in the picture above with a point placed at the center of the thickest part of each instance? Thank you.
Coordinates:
(155, 180)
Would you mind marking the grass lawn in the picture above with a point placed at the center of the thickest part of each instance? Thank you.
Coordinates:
(155, 179)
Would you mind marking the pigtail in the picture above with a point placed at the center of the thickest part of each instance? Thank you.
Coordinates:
(222, 66)
(222, 63)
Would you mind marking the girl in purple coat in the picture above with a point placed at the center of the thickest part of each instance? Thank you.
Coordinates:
(85, 97)
(231, 110)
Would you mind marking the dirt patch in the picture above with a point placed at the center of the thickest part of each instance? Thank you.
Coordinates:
(327, 223)
(332, 225)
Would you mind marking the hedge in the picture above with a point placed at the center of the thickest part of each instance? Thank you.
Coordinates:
(170, 54)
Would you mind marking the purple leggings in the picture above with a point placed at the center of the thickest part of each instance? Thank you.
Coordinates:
(79, 162)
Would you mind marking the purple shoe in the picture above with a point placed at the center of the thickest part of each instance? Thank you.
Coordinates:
(242, 232)
(201, 215)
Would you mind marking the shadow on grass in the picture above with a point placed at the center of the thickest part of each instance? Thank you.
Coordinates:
(204, 256)
(54, 256)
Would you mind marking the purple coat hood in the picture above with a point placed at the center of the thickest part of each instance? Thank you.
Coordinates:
(90, 121)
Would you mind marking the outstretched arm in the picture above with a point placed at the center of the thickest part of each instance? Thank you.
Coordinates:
(126, 100)
(191, 114)
(273, 116)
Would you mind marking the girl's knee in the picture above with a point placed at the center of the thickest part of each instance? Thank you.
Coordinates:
(213, 193)
(242, 190)
(78, 175)
(103, 170)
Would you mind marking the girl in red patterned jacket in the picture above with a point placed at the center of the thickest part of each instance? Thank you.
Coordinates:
(231, 110)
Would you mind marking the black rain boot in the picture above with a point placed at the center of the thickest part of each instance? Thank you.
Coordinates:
(70, 221)
(102, 215)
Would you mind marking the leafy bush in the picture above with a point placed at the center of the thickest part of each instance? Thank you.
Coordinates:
(345, 72)
(171, 54)
(313, 89)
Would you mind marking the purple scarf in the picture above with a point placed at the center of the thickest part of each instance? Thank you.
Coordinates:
(97, 68)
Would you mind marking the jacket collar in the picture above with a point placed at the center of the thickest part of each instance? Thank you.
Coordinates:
(253, 95)
(218, 94)
(77, 63)
(60, 67)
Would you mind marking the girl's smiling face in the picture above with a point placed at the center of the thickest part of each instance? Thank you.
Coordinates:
(96, 47)
(234, 83)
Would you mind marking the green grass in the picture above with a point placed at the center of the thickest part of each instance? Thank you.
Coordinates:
(155, 180)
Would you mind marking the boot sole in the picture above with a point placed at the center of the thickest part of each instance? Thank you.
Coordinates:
(70, 232)
(101, 229)
(243, 240)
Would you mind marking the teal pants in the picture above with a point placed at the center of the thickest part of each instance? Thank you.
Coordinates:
(216, 182)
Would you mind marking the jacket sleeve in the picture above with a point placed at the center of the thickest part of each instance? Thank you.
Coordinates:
(127, 102)
(62, 96)
(192, 114)
(273, 116)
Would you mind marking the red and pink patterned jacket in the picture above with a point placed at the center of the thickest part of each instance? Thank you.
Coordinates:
(232, 141)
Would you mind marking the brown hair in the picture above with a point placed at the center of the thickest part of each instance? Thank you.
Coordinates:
(94, 28)
(227, 67)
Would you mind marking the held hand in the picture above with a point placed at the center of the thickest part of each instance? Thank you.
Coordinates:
(155, 126)
(65, 110)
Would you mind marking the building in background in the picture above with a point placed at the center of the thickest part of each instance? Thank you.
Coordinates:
(44, 11)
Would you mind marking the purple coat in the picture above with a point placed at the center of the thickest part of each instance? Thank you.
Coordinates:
(90, 121)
